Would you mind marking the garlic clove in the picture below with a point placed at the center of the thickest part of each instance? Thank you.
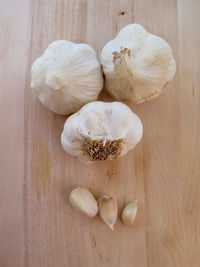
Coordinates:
(129, 213)
(108, 210)
(83, 200)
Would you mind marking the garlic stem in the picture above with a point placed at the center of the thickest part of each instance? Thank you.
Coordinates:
(54, 82)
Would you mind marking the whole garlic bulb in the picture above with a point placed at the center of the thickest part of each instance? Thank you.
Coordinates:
(137, 64)
(101, 131)
(66, 76)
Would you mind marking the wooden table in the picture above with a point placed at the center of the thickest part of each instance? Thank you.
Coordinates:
(38, 227)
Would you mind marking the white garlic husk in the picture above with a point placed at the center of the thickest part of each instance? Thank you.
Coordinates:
(66, 76)
(137, 64)
(101, 131)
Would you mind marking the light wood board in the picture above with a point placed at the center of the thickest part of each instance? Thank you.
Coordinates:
(38, 227)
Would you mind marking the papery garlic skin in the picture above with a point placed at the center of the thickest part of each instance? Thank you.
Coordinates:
(101, 131)
(66, 76)
(108, 210)
(83, 201)
(137, 64)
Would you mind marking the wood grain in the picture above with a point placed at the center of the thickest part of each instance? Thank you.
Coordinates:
(38, 227)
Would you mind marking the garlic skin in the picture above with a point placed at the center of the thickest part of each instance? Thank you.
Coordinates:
(66, 76)
(83, 201)
(137, 64)
(129, 213)
(108, 210)
(101, 131)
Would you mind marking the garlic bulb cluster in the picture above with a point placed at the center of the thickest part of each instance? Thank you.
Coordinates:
(137, 64)
(66, 76)
(101, 131)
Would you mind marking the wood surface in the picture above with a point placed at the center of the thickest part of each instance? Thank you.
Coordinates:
(38, 227)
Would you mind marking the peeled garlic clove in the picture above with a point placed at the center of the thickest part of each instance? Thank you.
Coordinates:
(137, 64)
(83, 200)
(108, 210)
(66, 76)
(101, 131)
(129, 213)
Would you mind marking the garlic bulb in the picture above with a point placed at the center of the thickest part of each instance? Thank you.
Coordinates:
(66, 76)
(137, 64)
(101, 131)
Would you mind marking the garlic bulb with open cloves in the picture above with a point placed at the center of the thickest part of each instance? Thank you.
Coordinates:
(101, 131)
(137, 64)
(66, 76)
